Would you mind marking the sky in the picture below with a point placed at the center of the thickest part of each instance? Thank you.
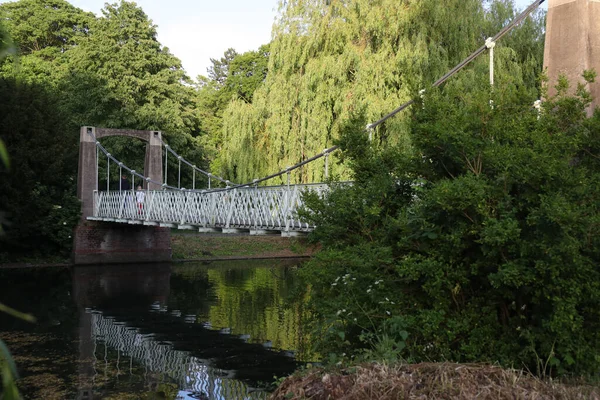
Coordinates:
(197, 30)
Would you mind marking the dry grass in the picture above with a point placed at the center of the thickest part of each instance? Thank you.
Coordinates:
(427, 381)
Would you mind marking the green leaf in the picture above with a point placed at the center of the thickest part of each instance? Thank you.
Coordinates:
(6, 356)
(16, 314)
(9, 374)
(4, 155)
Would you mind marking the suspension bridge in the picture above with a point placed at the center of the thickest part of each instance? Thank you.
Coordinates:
(255, 207)
(233, 209)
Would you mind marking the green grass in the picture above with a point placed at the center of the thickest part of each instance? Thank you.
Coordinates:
(198, 247)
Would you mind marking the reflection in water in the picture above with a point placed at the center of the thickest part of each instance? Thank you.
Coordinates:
(189, 373)
(246, 299)
(219, 331)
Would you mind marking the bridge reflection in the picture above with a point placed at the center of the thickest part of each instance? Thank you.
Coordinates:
(127, 330)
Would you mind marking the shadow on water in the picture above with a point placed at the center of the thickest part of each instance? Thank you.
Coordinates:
(218, 331)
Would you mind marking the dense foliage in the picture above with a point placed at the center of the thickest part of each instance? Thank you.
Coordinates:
(37, 192)
(480, 245)
(73, 69)
(233, 77)
(329, 60)
(471, 231)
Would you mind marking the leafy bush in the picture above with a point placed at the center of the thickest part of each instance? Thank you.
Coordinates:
(37, 193)
(482, 241)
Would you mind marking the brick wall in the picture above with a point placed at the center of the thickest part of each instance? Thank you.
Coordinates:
(112, 243)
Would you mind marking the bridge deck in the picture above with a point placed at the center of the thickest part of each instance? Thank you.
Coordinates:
(260, 210)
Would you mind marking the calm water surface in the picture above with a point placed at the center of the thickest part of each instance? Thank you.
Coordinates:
(193, 331)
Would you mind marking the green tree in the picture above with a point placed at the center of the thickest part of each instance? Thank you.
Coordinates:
(329, 60)
(43, 31)
(120, 76)
(144, 83)
(219, 70)
(51, 25)
(6, 47)
(234, 76)
(482, 246)
(37, 193)
(246, 73)
(110, 72)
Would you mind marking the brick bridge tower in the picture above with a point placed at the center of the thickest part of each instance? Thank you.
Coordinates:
(114, 243)
(573, 43)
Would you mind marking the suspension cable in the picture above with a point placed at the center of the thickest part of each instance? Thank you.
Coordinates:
(195, 168)
(466, 61)
(132, 171)
(325, 152)
(437, 83)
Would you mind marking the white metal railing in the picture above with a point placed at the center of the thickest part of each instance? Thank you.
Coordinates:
(262, 208)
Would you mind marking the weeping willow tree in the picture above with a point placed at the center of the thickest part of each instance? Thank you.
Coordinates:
(333, 59)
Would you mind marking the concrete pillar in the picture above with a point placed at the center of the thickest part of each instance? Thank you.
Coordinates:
(573, 43)
(153, 162)
(87, 180)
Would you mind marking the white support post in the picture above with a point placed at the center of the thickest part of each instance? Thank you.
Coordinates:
(490, 44)
(287, 202)
(326, 163)
(121, 202)
(97, 162)
(231, 207)
(186, 205)
(212, 215)
(108, 173)
(166, 161)
(194, 177)
(147, 204)
(179, 174)
(96, 203)
(133, 203)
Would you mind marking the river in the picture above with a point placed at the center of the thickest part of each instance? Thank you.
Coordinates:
(222, 330)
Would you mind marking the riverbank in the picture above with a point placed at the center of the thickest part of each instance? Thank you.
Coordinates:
(210, 247)
(426, 381)
(189, 246)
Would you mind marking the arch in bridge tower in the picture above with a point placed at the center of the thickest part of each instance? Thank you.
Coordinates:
(573, 43)
(86, 176)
